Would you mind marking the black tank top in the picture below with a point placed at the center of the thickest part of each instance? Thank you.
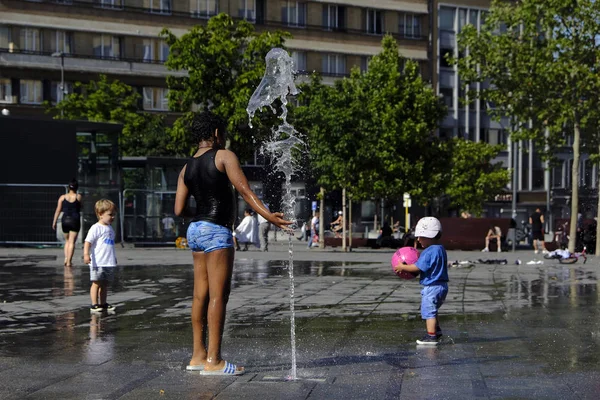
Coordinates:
(71, 209)
(211, 190)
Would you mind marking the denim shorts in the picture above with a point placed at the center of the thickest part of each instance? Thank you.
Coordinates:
(102, 273)
(432, 298)
(206, 236)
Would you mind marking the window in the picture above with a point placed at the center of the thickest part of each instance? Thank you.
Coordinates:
(4, 37)
(473, 18)
(364, 63)
(204, 8)
(557, 175)
(31, 92)
(448, 97)
(409, 25)
(462, 19)
(30, 39)
(57, 94)
(118, 4)
(5, 90)
(247, 10)
(446, 18)
(293, 13)
(444, 55)
(158, 6)
(334, 17)
(63, 42)
(107, 46)
(156, 99)
(155, 50)
(334, 64)
(374, 22)
(588, 174)
(299, 58)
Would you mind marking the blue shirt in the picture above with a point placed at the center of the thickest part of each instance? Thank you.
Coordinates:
(433, 263)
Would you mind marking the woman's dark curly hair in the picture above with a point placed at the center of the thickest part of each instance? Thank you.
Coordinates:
(204, 124)
(73, 185)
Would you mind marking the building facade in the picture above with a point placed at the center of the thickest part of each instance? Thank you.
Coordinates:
(537, 183)
(45, 43)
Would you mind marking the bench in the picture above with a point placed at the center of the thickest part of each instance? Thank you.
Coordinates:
(469, 233)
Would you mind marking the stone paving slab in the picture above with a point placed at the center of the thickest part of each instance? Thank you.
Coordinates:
(511, 331)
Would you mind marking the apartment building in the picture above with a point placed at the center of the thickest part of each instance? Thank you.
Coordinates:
(46, 42)
(536, 184)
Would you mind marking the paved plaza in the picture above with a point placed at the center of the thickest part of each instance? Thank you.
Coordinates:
(527, 331)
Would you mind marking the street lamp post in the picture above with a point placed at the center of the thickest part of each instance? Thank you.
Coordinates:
(62, 76)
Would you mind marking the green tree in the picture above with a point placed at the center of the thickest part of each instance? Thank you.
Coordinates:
(538, 60)
(372, 133)
(474, 177)
(113, 101)
(225, 62)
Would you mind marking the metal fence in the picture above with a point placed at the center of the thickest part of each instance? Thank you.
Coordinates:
(147, 218)
(27, 211)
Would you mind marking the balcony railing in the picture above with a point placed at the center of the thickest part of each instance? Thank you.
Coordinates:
(191, 14)
(117, 65)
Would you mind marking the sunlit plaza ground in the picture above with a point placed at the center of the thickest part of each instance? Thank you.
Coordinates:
(528, 331)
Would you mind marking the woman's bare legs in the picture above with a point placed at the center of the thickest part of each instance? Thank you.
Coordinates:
(199, 309)
(66, 247)
(219, 266)
(70, 239)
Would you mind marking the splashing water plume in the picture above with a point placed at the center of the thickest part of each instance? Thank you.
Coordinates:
(277, 84)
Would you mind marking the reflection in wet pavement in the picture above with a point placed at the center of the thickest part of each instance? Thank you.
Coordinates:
(522, 320)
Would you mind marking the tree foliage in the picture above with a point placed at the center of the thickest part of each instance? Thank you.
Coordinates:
(537, 60)
(372, 133)
(224, 61)
(113, 101)
(474, 176)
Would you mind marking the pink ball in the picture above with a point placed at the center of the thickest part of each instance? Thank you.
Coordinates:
(408, 255)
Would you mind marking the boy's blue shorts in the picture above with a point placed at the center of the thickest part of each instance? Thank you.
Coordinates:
(432, 298)
(102, 274)
(206, 236)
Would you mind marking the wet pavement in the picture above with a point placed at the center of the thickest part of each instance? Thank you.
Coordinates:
(528, 331)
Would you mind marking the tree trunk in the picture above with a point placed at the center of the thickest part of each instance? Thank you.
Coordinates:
(597, 252)
(321, 225)
(574, 185)
(350, 224)
(344, 219)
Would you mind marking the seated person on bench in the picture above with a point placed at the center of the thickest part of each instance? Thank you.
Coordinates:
(494, 233)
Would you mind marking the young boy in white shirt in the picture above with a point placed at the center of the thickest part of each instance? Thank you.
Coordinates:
(99, 253)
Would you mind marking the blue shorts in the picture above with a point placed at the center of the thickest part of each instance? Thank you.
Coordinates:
(102, 274)
(206, 236)
(432, 298)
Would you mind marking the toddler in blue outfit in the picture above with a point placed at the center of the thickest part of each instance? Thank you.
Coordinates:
(433, 268)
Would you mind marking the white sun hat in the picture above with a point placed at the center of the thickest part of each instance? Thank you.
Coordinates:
(428, 227)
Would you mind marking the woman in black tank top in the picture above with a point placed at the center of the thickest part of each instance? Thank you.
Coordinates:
(70, 205)
(209, 177)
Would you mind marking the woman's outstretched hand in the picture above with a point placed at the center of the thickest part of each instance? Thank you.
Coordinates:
(282, 223)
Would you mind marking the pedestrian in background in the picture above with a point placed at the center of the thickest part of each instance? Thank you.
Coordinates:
(70, 205)
(264, 227)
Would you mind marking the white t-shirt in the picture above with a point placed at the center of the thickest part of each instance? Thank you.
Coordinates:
(102, 251)
(168, 223)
